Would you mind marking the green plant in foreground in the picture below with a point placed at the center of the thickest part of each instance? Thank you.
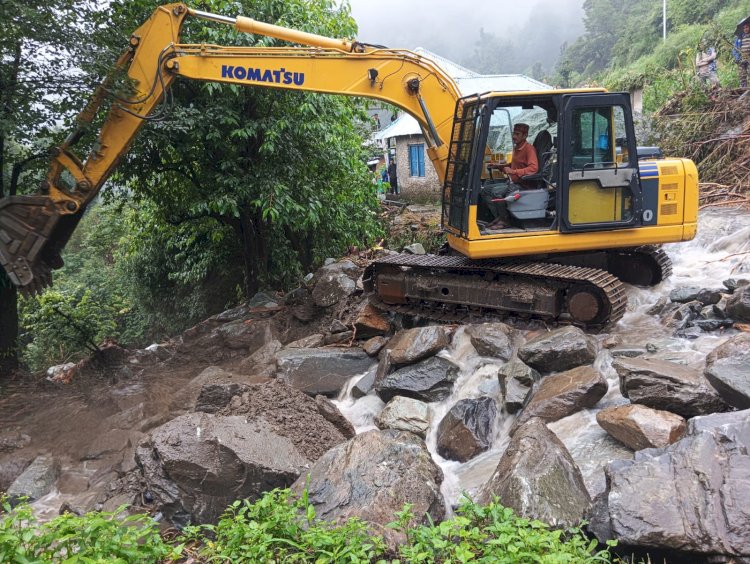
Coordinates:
(492, 533)
(93, 537)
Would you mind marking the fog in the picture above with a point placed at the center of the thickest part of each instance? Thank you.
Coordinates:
(527, 32)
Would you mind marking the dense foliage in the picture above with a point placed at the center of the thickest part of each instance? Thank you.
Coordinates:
(282, 528)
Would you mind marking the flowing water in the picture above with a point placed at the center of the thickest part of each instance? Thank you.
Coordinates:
(720, 251)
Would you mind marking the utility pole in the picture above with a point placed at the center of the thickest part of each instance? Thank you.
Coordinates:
(664, 20)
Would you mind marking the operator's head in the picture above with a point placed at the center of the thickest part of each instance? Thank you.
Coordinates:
(746, 28)
(520, 131)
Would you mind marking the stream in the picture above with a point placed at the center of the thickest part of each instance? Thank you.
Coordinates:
(720, 251)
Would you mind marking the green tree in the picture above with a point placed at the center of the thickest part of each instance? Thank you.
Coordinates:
(41, 44)
(267, 180)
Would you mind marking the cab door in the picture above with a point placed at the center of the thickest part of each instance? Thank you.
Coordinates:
(600, 188)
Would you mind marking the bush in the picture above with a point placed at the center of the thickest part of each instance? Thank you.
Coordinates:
(280, 528)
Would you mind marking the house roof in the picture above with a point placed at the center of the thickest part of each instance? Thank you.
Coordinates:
(468, 82)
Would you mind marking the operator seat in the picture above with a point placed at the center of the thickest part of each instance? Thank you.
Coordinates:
(543, 146)
(532, 202)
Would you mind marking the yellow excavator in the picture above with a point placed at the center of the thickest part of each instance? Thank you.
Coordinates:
(590, 219)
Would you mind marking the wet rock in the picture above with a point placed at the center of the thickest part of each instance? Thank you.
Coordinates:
(720, 309)
(365, 384)
(415, 249)
(668, 386)
(562, 394)
(198, 463)
(728, 370)
(36, 480)
(492, 339)
(234, 314)
(658, 308)
(657, 501)
(732, 284)
(331, 287)
(516, 384)
(690, 333)
(12, 466)
(13, 440)
(245, 335)
(709, 325)
(412, 345)
(370, 322)
(640, 427)
(300, 302)
(405, 414)
(710, 296)
(337, 327)
(322, 370)
(684, 294)
(466, 430)
(561, 349)
(345, 266)
(372, 476)
(373, 346)
(332, 414)
(678, 319)
(213, 388)
(262, 363)
(110, 442)
(628, 351)
(262, 300)
(344, 338)
(738, 306)
(310, 342)
(429, 380)
(538, 479)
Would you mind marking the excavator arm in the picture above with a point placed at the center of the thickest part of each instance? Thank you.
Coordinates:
(34, 229)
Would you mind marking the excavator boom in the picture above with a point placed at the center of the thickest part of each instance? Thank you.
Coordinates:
(34, 229)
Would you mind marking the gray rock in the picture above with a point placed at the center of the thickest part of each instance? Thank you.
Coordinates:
(639, 427)
(691, 496)
(538, 479)
(738, 306)
(679, 318)
(412, 345)
(684, 294)
(516, 384)
(561, 349)
(710, 296)
(234, 314)
(668, 386)
(321, 371)
(247, 336)
(466, 430)
(13, 440)
(659, 307)
(337, 327)
(365, 384)
(732, 284)
(708, 325)
(372, 476)
(405, 414)
(310, 342)
(373, 346)
(415, 249)
(262, 363)
(728, 370)
(492, 339)
(344, 338)
(331, 413)
(628, 351)
(429, 380)
(563, 394)
(331, 287)
(261, 299)
(36, 480)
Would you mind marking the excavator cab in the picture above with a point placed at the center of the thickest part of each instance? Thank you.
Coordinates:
(590, 183)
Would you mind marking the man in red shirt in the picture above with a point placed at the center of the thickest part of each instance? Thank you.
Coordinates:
(524, 162)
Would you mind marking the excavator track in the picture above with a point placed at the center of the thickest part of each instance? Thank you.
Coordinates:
(642, 266)
(458, 289)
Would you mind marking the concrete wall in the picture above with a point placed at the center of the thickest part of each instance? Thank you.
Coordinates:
(427, 186)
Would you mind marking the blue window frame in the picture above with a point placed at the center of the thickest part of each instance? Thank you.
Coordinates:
(416, 160)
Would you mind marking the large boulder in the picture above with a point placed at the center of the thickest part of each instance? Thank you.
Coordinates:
(691, 496)
(429, 380)
(466, 430)
(538, 479)
(562, 394)
(36, 480)
(639, 427)
(370, 322)
(405, 414)
(372, 476)
(738, 305)
(331, 286)
(561, 349)
(668, 386)
(322, 370)
(197, 464)
(212, 341)
(492, 339)
(412, 345)
(728, 370)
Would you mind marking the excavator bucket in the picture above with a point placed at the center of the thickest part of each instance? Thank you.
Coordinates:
(32, 233)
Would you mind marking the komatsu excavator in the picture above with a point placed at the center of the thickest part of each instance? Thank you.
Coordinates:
(590, 220)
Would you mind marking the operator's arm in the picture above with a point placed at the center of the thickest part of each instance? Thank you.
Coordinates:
(526, 164)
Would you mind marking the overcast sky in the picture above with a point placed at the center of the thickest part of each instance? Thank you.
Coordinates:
(450, 27)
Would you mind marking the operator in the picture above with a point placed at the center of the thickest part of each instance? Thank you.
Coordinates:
(741, 51)
(523, 162)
